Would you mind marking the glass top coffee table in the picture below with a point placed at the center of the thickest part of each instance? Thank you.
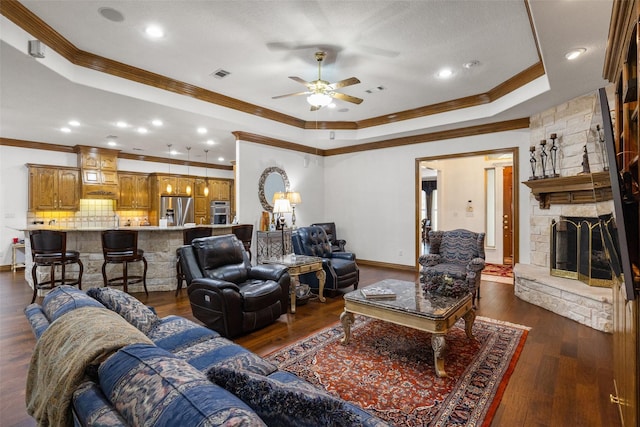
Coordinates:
(414, 308)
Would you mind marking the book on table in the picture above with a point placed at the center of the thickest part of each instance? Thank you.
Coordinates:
(378, 293)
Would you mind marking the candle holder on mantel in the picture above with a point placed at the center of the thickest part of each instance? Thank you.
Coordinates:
(543, 157)
(533, 162)
(553, 151)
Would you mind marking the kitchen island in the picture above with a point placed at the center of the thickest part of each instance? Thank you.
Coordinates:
(159, 245)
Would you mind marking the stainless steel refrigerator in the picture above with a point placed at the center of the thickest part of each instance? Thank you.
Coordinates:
(177, 210)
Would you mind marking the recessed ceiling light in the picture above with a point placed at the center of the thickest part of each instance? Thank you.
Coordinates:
(210, 142)
(122, 124)
(142, 130)
(111, 143)
(332, 105)
(154, 31)
(173, 152)
(445, 73)
(74, 123)
(65, 129)
(202, 130)
(221, 159)
(111, 14)
(575, 53)
(157, 122)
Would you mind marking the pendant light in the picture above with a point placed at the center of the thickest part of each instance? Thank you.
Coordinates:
(169, 189)
(189, 170)
(206, 171)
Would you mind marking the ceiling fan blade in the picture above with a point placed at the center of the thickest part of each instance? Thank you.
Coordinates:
(315, 108)
(346, 82)
(290, 94)
(299, 80)
(344, 97)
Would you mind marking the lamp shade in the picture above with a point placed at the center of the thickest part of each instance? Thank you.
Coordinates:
(281, 206)
(294, 198)
(277, 195)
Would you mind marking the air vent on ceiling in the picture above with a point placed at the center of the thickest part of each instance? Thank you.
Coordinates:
(220, 73)
(375, 89)
(137, 149)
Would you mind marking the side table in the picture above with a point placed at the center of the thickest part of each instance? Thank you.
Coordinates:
(297, 265)
(15, 265)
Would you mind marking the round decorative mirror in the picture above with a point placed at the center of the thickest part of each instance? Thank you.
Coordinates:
(272, 180)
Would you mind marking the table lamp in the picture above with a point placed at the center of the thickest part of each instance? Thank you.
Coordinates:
(280, 207)
(294, 199)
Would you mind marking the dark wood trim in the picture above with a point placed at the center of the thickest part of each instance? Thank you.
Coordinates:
(434, 136)
(24, 18)
(400, 267)
(620, 30)
(577, 189)
(36, 145)
(72, 150)
(278, 143)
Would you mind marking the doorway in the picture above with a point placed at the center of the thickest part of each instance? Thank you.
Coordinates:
(465, 198)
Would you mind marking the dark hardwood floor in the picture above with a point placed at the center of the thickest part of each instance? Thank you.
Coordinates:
(563, 378)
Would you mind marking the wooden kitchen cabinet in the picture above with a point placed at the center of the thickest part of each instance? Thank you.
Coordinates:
(99, 166)
(219, 189)
(201, 201)
(134, 191)
(53, 188)
(182, 185)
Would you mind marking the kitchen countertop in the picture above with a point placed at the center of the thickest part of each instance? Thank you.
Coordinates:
(139, 228)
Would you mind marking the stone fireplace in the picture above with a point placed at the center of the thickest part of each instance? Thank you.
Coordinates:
(551, 279)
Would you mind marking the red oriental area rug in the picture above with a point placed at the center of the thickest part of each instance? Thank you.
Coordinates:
(498, 273)
(389, 370)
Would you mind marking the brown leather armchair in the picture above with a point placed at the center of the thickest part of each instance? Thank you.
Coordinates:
(226, 293)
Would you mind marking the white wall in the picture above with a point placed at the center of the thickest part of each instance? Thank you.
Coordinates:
(372, 194)
(14, 181)
(305, 174)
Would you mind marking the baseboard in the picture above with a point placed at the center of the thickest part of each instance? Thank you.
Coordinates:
(386, 265)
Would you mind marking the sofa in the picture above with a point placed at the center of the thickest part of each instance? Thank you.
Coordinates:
(102, 358)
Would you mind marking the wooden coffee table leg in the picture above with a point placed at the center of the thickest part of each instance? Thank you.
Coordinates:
(469, 318)
(347, 320)
(292, 292)
(439, 345)
(322, 277)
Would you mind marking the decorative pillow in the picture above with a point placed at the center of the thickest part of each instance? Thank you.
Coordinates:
(284, 404)
(149, 386)
(132, 310)
(65, 298)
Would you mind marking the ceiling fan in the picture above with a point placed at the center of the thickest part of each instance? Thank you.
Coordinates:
(321, 92)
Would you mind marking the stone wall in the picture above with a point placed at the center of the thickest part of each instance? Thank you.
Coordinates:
(574, 122)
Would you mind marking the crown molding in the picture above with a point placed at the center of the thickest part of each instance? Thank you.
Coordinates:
(28, 21)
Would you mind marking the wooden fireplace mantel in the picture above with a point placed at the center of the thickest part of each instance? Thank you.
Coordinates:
(577, 189)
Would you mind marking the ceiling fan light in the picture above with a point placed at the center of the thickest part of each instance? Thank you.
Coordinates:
(319, 99)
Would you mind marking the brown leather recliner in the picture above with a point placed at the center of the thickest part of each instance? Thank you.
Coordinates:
(226, 293)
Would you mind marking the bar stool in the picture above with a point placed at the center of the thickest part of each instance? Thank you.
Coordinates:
(244, 233)
(49, 249)
(121, 247)
(188, 234)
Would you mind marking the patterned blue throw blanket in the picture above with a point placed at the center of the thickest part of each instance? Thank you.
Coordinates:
(78, 339)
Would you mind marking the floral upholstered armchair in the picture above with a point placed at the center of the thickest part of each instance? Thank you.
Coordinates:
(458, 254)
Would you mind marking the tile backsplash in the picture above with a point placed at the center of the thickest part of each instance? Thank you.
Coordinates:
(92, 213)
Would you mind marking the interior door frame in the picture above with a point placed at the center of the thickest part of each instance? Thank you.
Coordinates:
(516, 194)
